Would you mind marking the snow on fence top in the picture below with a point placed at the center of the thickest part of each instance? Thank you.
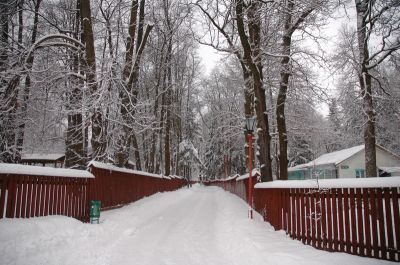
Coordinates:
(383, 182)
(175, 176)
(15, 169)
(124, 170)
(246, 176)
(232, 177)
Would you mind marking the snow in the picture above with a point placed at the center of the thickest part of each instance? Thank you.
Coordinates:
(246, 176)
(124, 170)
(43, 171)
(201, 225)
(333, 183)
(336, 157)
(232, 177)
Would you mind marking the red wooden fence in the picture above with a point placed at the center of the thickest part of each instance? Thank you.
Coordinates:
(236, 184)
(361, 221)
(115, 186)
(29, 191)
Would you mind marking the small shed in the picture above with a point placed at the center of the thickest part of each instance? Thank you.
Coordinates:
(55, 160)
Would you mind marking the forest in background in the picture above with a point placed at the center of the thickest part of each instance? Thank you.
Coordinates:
(120, 81)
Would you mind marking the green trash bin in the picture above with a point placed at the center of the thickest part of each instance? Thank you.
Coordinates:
(94, 213)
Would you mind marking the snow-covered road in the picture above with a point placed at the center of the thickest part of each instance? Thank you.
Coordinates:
(201, 225)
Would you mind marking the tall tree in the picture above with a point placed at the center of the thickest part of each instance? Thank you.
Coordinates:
(98, 139)
(252, 56)
(379, 18)
(291, 23)
(130, 87)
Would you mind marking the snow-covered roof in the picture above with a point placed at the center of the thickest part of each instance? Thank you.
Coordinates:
(333, 183)
(390, 169)
(246, 176)
(333, 158)
(119, 169)
(337, 157)
(37, 156)
(43, 171)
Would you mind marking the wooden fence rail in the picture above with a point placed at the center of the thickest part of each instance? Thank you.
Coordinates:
(361, 220)
(29, 191)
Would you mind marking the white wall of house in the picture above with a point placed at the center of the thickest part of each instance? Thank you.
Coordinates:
(347, 169)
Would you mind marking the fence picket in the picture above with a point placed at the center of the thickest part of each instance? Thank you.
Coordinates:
(360, 226)
(353, 222)
(24, 181)
(323, 221)
(382, 236)
(3, 188)
(367, 235)
(395, 201)
(18, 196)
(329, 201)
(374, 222)
(389, 229)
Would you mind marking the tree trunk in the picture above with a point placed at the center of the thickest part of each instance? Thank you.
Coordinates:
(366, 90)
(168, 87)
(281, 100)
(75, 142)
(98, 142)
(26, 91)
(8, 92)
(129, 94)
(252, 58)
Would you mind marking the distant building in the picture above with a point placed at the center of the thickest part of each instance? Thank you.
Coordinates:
(45, 160)
(347, 163)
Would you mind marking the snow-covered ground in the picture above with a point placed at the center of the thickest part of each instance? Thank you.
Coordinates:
(201, 225)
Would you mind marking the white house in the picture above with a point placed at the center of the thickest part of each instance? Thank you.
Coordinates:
(347, 163)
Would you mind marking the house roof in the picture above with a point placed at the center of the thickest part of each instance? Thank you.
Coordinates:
(333, 158)
(42, 157)
(336, 157)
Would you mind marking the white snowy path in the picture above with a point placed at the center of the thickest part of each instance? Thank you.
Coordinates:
(201, 225)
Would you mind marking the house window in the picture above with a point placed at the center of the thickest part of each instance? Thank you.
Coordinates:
(360, 173)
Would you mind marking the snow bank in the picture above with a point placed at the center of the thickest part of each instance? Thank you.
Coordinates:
(333, 183)
(246, 176)
(43, 171)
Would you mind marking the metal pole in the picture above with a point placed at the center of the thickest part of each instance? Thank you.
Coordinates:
(250, 141)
